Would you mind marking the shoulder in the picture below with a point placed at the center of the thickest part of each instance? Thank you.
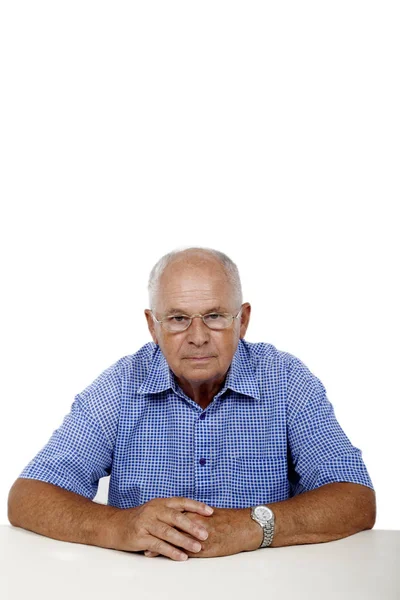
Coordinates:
(262, 353)
(100, 402)
(302, 389)
(133, 368)
(280, 370)
(128, 371)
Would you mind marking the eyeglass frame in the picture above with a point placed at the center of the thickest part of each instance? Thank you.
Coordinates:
(197, 315)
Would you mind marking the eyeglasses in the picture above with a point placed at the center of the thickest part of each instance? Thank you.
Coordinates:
(178, 323)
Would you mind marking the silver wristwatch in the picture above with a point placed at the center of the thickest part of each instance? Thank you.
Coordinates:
(264, 517)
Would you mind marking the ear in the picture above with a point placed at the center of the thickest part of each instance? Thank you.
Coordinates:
(244, 319)
(150, 325)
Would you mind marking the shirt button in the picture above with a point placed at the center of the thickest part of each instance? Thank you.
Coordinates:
(203, 416)
(202, 461)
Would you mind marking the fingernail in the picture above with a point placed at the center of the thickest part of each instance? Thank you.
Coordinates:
(209, 510)
(182, 556)
(203, 534)
(196, 547)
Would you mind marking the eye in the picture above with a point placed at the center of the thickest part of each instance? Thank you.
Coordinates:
(178, 319)
(213, 316)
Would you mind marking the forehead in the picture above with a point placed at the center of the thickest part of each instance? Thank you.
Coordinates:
(196, 285)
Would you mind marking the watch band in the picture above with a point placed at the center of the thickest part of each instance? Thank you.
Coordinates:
(268, 530)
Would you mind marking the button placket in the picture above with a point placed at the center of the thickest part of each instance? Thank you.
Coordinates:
(202, 456)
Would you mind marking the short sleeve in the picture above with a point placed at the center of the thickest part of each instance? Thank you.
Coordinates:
(319, 450)
(80, 451)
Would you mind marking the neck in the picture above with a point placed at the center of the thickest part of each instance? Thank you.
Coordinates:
(202, 393)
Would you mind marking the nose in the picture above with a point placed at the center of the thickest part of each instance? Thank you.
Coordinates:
(198, 333)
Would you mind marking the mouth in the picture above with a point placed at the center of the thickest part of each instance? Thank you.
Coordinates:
(199, 358)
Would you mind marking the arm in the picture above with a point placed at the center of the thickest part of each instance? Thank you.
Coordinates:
(328, 513)
(57, 513)
(157, 526)
(332, 493)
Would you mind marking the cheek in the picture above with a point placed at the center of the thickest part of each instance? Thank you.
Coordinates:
(227, 346)
(171, 346)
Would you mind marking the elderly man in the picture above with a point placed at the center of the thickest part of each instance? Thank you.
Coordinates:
(214, 445)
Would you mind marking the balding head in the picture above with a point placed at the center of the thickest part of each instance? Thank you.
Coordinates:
(195, 258)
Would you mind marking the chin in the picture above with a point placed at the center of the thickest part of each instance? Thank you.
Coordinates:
(199, 373)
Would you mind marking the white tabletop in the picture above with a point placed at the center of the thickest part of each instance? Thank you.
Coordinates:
(363, 566)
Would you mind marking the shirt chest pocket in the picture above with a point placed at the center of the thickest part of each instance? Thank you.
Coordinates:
(259, 480)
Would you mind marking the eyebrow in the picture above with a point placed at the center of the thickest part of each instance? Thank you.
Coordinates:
(179, 311)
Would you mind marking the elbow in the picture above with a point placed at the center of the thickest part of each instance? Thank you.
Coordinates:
(369, 509)
(11, 508)
(362, 507)
(15, 503)
(372, 520)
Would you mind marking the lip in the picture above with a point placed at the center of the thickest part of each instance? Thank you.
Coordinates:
(198, 357)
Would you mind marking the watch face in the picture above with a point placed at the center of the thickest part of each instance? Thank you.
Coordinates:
(263, 513)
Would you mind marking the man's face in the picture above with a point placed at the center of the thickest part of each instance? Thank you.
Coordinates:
(198, 355)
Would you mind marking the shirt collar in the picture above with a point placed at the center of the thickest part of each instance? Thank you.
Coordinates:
(159, 377)
(241, 375)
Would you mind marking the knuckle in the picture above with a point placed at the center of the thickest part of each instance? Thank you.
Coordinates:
(173, 500)
(164, 530)
(142, 531)
(181, 522)
(150, 506)
(156, 546)
(179, 518)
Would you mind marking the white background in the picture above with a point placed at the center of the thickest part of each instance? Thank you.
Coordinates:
(269, 131)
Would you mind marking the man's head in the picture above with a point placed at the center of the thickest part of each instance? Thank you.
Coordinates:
(197, 281)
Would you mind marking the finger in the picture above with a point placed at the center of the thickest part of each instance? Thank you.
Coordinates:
(150, 554)
(189, 505)
(186, 524)
(163, 531)
(157, 546)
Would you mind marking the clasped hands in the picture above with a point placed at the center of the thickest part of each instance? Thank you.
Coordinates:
(180, 528)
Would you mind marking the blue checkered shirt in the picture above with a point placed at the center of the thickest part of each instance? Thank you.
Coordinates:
(270, 433)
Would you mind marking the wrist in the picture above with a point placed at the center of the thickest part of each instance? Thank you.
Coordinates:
(254, 532)
(111, 529)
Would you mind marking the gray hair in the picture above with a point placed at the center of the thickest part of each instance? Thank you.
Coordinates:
(229, 266)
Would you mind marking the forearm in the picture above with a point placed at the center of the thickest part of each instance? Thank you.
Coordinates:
(328, 513)
(57, 513)
(331, 512)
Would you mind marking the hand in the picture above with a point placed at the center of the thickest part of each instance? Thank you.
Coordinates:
(160, 525)
(230, 531)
